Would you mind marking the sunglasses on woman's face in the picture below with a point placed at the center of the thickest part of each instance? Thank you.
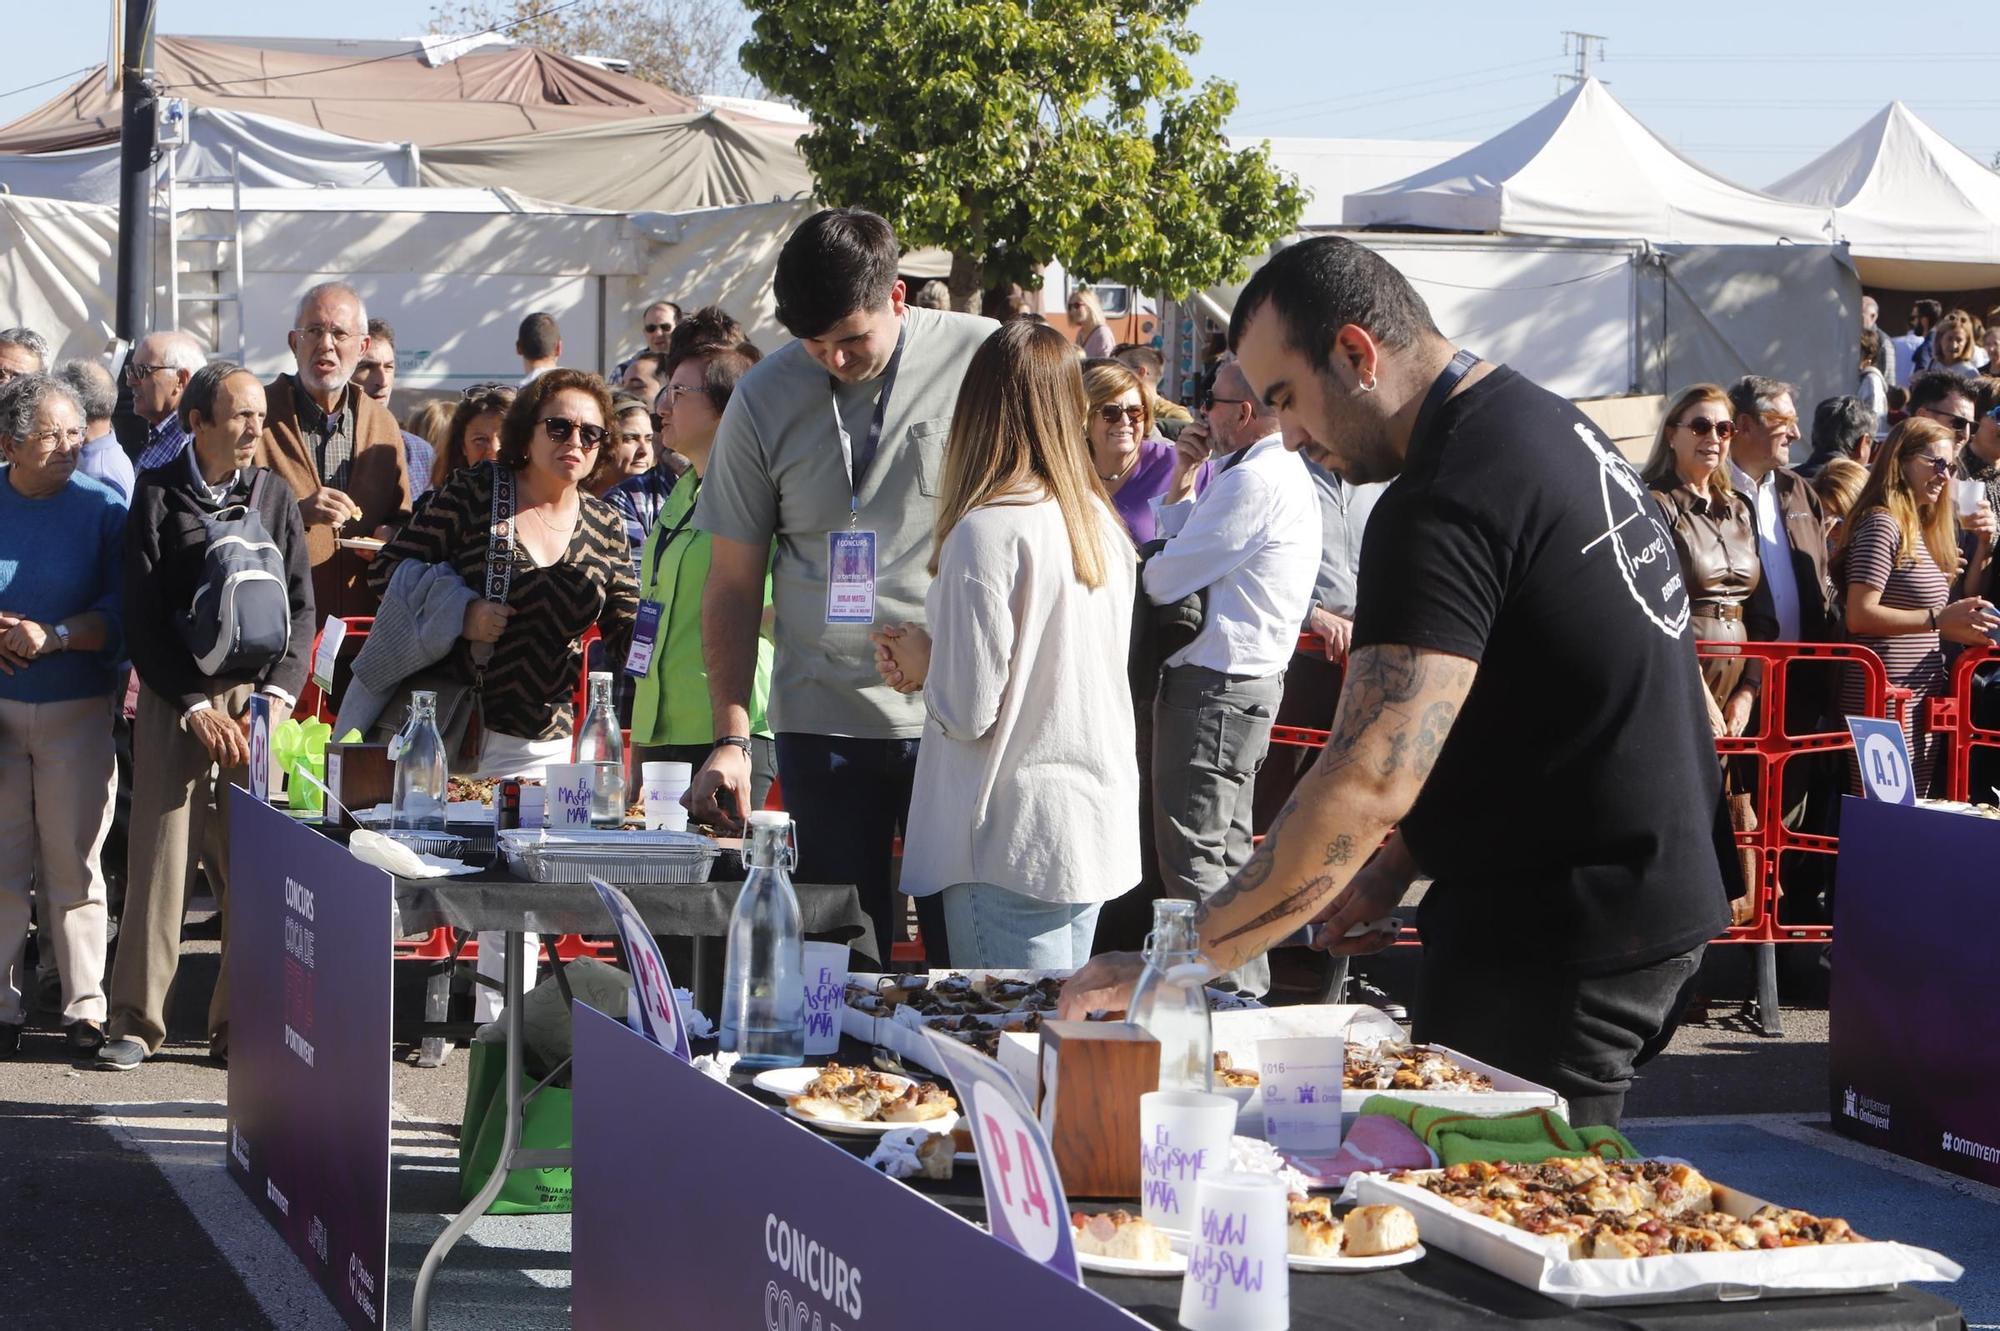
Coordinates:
(1938, 466)
(1703, 428)
(1111, 413)
(560, 428)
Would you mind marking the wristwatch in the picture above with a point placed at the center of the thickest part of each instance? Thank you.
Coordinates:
(62, 636)
(740, 741)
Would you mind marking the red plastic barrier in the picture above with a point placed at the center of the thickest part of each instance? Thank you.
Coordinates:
(1951, 718)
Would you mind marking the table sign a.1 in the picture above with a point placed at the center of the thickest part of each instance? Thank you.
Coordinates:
(1025, 1206)
(1882, 751)
(658, 1014)
(1300, 1076)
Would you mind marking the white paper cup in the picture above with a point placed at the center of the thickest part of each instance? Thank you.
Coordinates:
(570, 789)
(1968, 494)
(534, 807)
(1183, 1135)
(826, 985)
(1238, 1278)
(661, 786)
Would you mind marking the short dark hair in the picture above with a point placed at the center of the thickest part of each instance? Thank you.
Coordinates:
(657, 359)
(1840, 424)
(526, 412)
(380, 330)
(1151, 355)
(1899, 398)
(202, 386)
(540, 336)
(1319, 286)
(1927, 309)
(1005, 302)
(721, 372)
(708, 330)
(1749, 395)
(1934, 386)
(838, 262)
(1987, 390)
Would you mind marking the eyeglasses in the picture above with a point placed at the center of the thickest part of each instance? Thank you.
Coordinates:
(659, 328)
(1703, 428)
(73, 435)
(1960, 425)
(560, 428)
(487, 390)
(1776, 421)
(314, 332)
(138, 373)
(1209, 401)
(1938, 466)
(1111, 413)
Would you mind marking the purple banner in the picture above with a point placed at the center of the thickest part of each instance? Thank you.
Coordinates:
(1916, 1035)
(309, 937)
(694, 1198)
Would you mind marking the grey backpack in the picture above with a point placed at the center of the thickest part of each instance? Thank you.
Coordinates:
(241, 618)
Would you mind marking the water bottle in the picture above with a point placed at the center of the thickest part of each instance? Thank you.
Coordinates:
(598, 742)
(420, 769)
(763, 977)
(1170, 1002)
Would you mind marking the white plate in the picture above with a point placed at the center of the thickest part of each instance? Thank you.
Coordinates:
(365, 544)
(843, 1126)
(783, 1082)
(1351, 1264)
(1127, 1266)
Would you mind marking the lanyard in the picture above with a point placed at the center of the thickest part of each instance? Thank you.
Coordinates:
(660, 551)
(860, 459)
(1448, 379)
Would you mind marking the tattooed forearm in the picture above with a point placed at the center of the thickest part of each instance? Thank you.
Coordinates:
(1397, 707)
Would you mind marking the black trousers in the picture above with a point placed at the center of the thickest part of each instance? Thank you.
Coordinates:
(1580, 1035)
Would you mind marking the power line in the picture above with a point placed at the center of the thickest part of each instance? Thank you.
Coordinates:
(380, 59)
(74, 73)
(1390, 101)
(1796, 58)
(1474, 117)
(1581, 45)
(1339, 102)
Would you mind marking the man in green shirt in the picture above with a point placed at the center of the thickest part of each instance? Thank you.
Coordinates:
(834, 447)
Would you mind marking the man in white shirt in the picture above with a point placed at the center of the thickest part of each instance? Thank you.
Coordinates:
(539, 345)
(1251, 545)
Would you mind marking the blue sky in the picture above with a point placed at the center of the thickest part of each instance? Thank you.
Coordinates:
(1750, 91)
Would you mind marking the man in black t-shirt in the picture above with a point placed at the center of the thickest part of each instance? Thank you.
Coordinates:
(1522, 702)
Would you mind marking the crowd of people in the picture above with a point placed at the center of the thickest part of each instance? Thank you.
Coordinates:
(970, 581)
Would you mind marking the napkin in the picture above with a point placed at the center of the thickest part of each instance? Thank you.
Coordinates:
(384, 853)
(1524, 1137)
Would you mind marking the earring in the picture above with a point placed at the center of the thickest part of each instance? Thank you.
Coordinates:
(1368, 385)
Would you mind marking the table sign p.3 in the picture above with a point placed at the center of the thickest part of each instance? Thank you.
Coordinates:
(659, 1017)
(1025, 1206)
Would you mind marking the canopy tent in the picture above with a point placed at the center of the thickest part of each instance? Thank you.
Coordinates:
(1331, 169)
(482, 95)
(659, 164)
(1583, 166)
(1919, 212)
(266, 151)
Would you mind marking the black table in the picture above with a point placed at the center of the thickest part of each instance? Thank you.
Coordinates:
(1443, 1292)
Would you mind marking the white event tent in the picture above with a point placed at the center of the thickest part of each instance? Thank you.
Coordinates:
(1919, 213)
(1586, 168)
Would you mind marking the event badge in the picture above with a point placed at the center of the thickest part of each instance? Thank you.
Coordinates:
(1025, 1207)
(1301, 1076)
(1883, 752)
(259, 712)
(330, 637)
(657, 1012)
(645, 632)
(850, 577)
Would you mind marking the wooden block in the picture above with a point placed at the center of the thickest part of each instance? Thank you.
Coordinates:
(360, 777)
(1093, 1073)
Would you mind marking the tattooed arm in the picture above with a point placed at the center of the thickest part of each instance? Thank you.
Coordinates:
(1397, 705)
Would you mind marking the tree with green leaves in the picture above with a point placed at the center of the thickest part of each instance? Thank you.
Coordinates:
(1014, 133)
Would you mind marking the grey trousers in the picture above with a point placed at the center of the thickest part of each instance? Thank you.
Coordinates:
(1210, 734)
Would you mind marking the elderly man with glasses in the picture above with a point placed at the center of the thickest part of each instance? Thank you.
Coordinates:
(22, 351)
(157, 372)
(338, 449)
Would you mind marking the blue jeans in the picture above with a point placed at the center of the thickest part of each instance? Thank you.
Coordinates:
(849, 799)
(997, 928)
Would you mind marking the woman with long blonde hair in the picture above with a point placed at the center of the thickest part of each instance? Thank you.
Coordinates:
(1025, 811)
(1898, 565)
(1093, 335)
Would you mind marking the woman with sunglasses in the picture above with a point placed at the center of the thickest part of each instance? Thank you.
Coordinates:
(473, 436)
(1094, 337)
(1134, 467)
(1715, 538)
(569, 569)
(1899, 565)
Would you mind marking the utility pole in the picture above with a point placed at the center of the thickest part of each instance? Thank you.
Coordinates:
(1584, 47)
(135, 169)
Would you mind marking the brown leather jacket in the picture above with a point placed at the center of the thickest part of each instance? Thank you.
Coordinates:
(1716, 541)
(378, 481)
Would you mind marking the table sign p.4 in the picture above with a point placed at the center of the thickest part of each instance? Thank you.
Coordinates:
(1025, 1206)
(659, 1017)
